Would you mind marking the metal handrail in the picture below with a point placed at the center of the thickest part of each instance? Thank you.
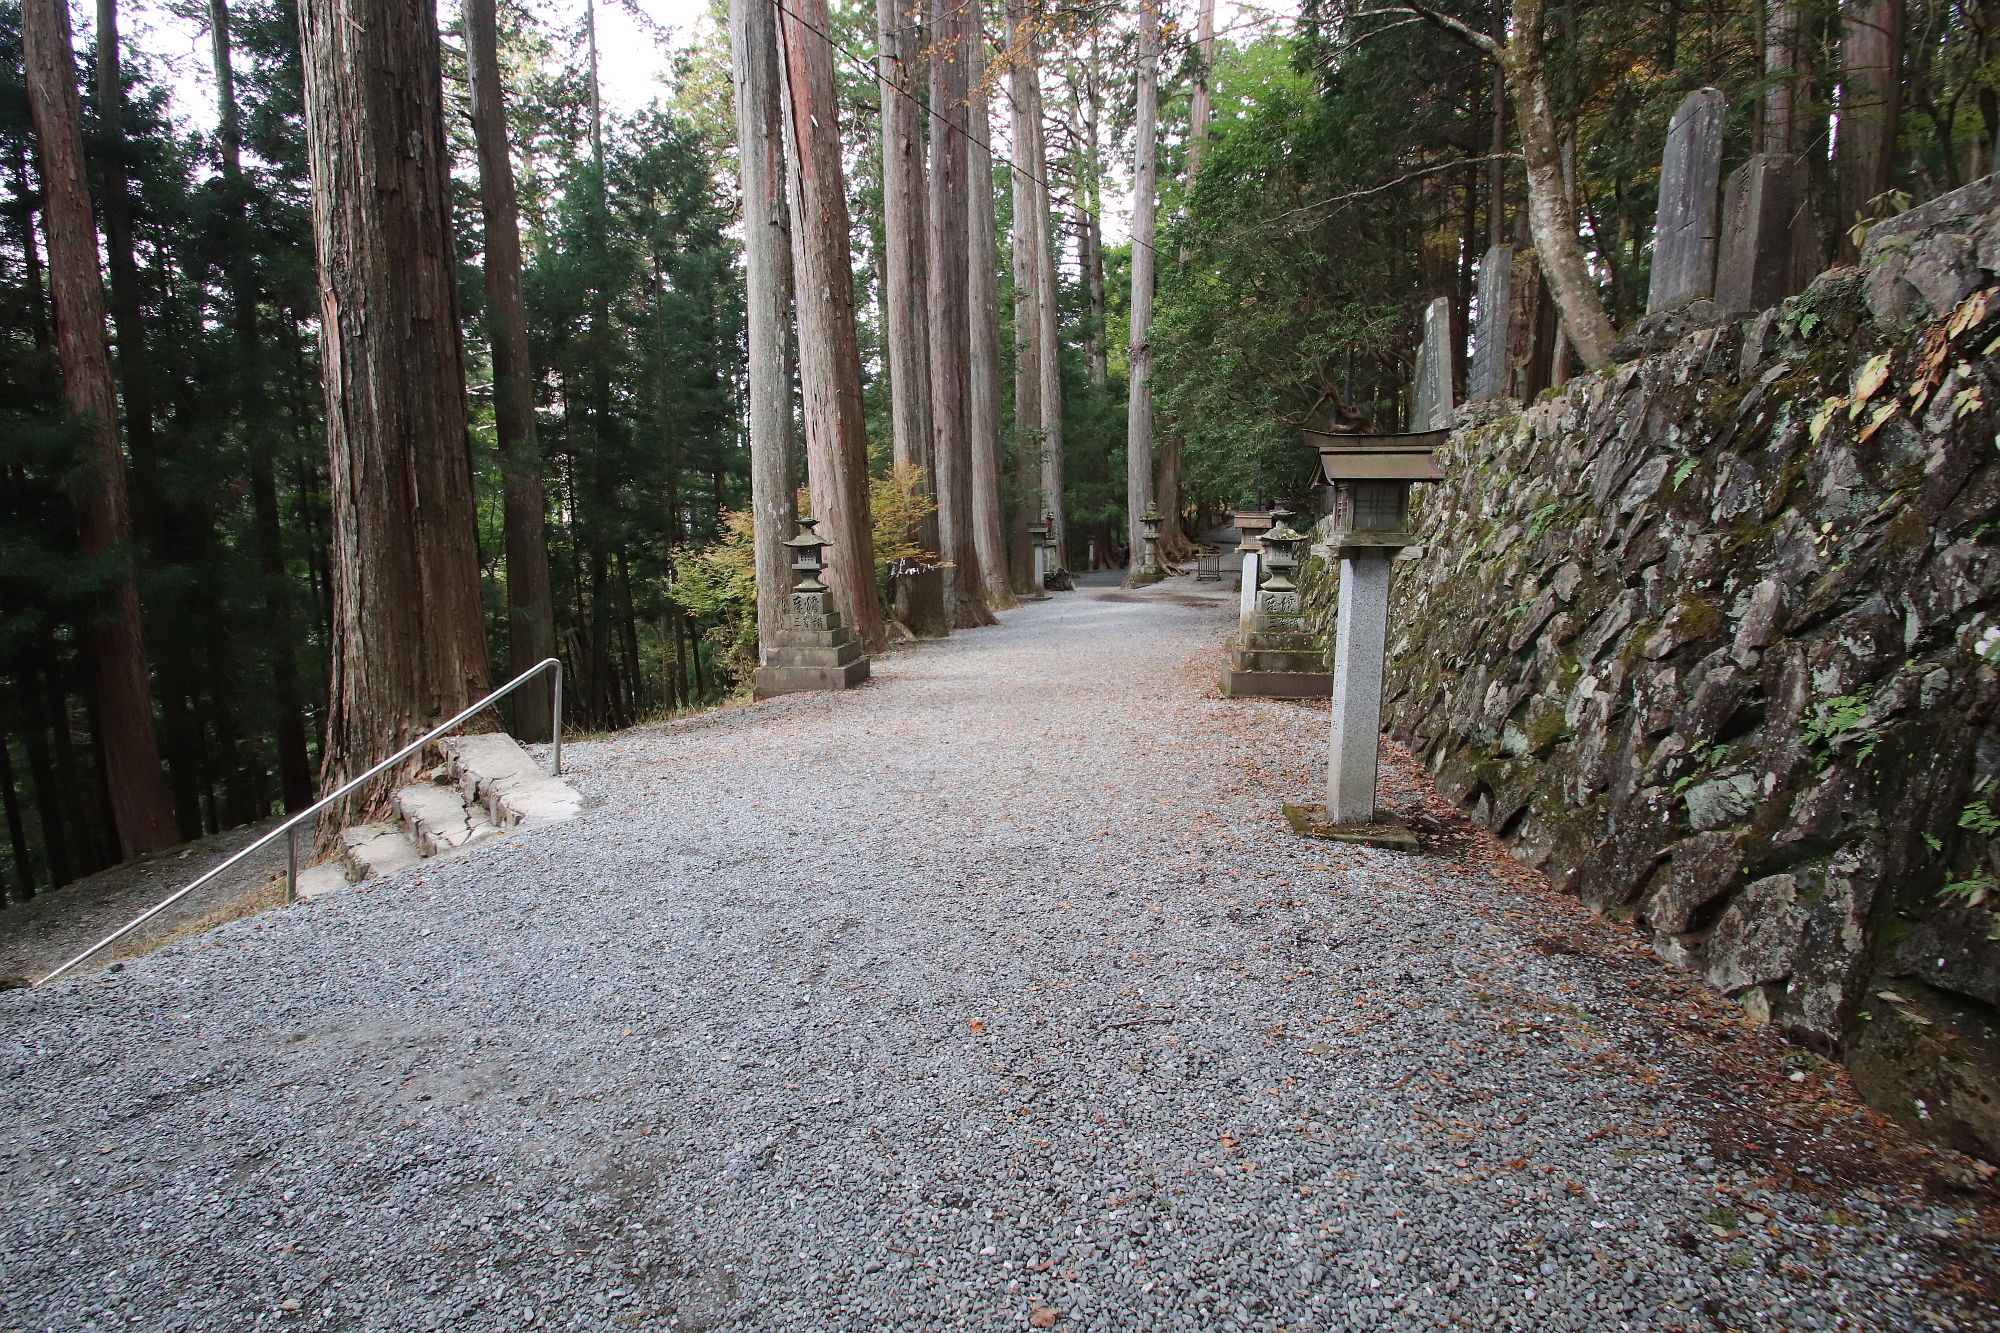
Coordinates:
(287, 829)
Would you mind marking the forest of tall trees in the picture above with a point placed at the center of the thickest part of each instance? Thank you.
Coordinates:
(408, 361)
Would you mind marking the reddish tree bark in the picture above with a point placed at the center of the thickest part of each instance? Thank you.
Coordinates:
(906, 289)
(982, 277)
(1139, 494)
(141, 807)
(767, 290)
(950, 319)
(829, 347)
(409, 642)
(531, 625)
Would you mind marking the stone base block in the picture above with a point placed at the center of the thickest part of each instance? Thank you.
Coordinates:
(1308, 821)
(1311, 662)
(834, 657)
(782, 678)
(1276, 684)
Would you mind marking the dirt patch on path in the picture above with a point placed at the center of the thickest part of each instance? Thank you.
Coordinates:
(40, 935)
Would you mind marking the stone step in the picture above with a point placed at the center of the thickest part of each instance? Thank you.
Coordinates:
(376, 849)
(493, 773)
(438, 820)
(315, 881)
(1276, 684)
(1251, 659)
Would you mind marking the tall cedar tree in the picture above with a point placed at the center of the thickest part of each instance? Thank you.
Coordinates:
(1029, 496)
(950, 317)
(409, 642)
(1145, 197)
(829, 343)
(906, 285)
(141, 807)
(531, 626)
(767, 274)
(982, 387)
(1174, 543)
(1045, 342)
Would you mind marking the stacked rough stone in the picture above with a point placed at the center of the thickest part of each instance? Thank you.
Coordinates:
(1711, 637)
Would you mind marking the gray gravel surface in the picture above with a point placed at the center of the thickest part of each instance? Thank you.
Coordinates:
(995, 994)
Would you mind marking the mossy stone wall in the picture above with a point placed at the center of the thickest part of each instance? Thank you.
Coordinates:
(1711, 637)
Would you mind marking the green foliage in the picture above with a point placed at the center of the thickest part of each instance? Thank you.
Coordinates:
(897, 502)
(718, 585)
(1979, 817)
(1280, 317)
(1542, 519)
(1971, 891)
(1832, 723)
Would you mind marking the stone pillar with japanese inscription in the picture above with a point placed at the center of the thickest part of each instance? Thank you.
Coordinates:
(1770, 238)
(1430, 403)
(814, 650)
(1686, 234)
(1491, 373)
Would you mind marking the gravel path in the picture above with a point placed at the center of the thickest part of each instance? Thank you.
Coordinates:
(992, 995)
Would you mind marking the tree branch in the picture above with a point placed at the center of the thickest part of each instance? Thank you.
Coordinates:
(1464, 32)
(1452, 165)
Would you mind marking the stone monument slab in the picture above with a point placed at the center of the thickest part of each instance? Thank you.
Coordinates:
(1684, 238)
(1431, 402)
(1492, 350)
(1768, 236)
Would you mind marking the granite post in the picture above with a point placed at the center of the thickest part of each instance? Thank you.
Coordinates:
(1685, 235)
(1246, 605)
(1361, 637)
(1371, 477)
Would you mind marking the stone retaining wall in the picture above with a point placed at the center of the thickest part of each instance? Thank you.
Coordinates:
(1711, 638)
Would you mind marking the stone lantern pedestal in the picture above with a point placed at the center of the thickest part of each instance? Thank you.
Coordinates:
(1274, 656)
(814, 649)
(1054, 578)
(1040, 543)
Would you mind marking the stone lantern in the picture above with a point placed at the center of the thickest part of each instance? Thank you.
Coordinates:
(1251, 523)
(1149, 567)
(1275, 656)
(1277, 595)
(1041, 534)
(1371, 476)
(1054, 577)
(813, 651)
